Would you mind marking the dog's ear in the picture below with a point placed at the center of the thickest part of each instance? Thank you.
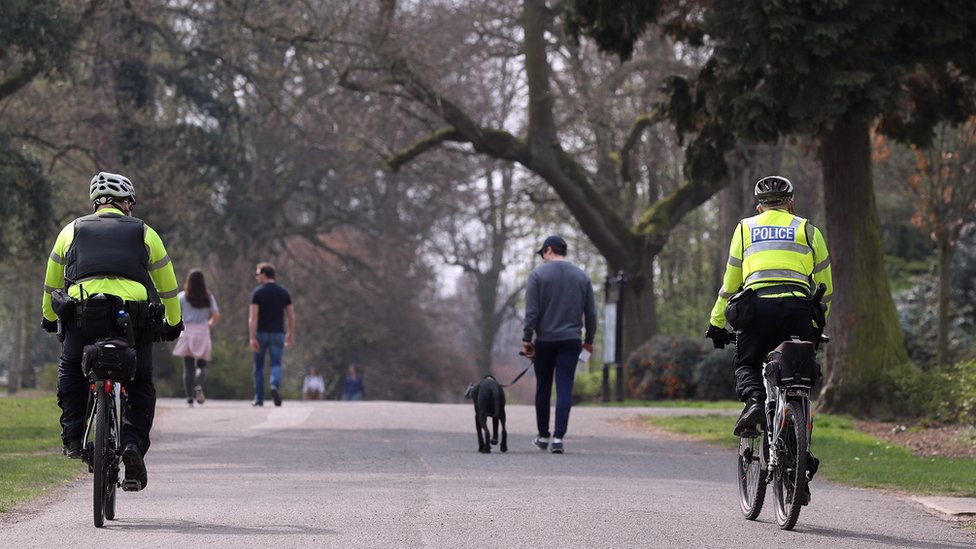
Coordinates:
(467, 394)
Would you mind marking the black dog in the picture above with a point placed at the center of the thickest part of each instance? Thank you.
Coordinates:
(489, 401)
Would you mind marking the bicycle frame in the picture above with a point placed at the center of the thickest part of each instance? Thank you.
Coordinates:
(776, 399)
(109, 386)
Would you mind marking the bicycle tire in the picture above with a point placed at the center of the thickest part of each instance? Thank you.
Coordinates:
(750, 469)
(790, 477)
(100, 456)
(113, 471)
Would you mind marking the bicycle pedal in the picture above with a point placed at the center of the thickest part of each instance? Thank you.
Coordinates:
(131, 485)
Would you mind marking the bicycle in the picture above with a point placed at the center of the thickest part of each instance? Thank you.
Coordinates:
(778, 456)
(108, 364)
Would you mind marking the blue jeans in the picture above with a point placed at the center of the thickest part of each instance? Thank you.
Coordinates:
(555, 359)
(274, 344)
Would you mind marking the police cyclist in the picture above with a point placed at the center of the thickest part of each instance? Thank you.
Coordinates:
(112, 253)
(776, 260)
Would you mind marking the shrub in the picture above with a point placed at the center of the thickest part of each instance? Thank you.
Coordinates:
(715, 375)
(664, 368)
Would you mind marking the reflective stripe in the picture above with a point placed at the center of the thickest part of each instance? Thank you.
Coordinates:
(160, 264)
(103, 277)
(821, 266)
(752, 223)
(57, 258)
(735, 261)
(725, 295)
(776, 274)
(776, 246)
(169, 294)
(49, 289)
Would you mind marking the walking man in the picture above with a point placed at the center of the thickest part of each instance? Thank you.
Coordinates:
(559, 305)
(266, 326)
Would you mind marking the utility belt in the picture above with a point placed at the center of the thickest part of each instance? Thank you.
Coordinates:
(741, 311)
(101, 315)
(797, 291)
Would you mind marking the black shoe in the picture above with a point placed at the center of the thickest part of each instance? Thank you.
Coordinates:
(257, 403)
(542, 443)
(276, 396)
(136, 477)
(751, 420)
(73, 449)
(813, 465)
(557, 446)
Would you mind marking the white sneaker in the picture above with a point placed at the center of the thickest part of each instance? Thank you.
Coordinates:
(557, 446)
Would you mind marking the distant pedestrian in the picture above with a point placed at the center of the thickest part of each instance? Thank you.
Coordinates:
(268, 330)
(352, 385)
(559, 305)
(313, 388)
(200, 314)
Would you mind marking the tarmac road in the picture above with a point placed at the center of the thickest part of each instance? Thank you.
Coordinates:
(393, 474)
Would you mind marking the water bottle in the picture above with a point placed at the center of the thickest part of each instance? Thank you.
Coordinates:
(124, 324)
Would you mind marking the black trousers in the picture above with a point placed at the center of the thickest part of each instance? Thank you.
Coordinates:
(73, 391)
(777, 319)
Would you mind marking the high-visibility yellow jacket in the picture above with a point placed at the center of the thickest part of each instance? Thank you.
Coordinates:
(774, 248)
(160, 269)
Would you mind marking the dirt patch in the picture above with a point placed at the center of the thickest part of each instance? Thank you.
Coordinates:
(926, 441)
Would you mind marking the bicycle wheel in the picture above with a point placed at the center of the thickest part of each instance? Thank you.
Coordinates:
(112, 479)
(789, 479)
(752, 475)
(101, 456)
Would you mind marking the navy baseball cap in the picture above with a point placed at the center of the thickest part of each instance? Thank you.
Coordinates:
(557, 244)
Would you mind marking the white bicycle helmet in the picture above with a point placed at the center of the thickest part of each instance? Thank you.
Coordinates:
(773, 189)
(107, 187)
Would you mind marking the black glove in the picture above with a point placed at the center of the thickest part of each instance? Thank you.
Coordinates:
(720, 338)
(50, 326)
(171, 333)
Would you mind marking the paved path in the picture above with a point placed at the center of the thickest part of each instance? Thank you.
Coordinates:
(385, 474)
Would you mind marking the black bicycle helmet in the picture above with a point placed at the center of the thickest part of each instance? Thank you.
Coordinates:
(773, 189)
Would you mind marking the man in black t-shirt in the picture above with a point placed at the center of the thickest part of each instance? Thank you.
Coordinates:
(266, 325)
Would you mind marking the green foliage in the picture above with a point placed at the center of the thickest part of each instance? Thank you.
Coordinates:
(25, 211)
(946, 394)
(36, 37)
(849, 456)
(615, 26)
(679, 367)
(30, 450)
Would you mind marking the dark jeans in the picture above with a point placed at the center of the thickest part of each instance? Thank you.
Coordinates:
(194, 373)
(555, 359)
(73, 391)
(777, 319)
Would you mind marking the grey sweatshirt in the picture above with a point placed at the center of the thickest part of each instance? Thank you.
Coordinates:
(558, 298)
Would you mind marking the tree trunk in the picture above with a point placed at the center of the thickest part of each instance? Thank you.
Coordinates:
(945, 258)
(19, 364)
(867, 345)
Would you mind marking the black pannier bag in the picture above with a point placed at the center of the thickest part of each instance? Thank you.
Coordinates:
(96, 315)
(109, 358)
(793, 363)
(741, 310)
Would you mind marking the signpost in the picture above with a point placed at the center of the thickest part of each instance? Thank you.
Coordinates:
(612, 334)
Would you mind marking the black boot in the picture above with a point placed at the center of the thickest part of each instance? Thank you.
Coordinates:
(751, 419)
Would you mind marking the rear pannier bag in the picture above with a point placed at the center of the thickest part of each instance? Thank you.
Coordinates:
(793, 363)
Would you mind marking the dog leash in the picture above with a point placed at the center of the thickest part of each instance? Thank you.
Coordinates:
(518, 377)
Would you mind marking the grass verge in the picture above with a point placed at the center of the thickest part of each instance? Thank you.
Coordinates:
(702, 404)
(30, 450)
(849, 456)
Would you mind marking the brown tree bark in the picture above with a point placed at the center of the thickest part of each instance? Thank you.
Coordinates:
(867, 346)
